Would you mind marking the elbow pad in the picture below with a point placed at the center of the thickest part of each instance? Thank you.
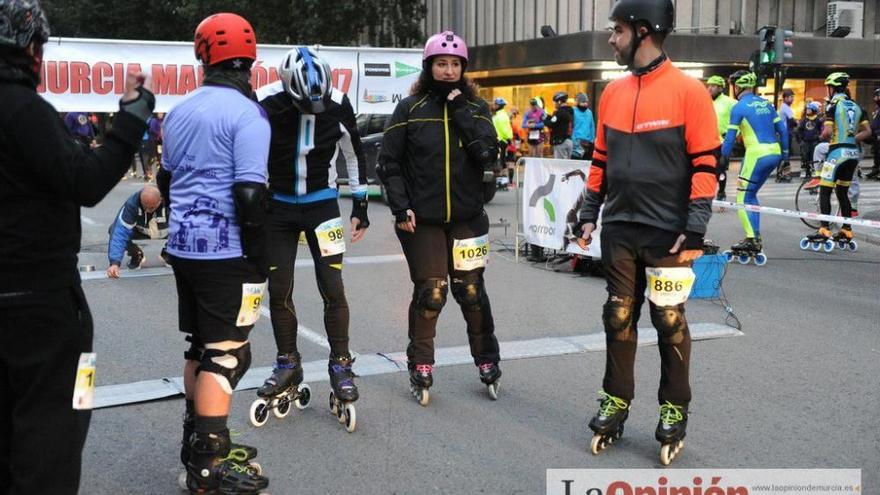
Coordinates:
(482, 152)
(250, 208)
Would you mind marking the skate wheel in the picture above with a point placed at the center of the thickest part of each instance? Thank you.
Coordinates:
(493, 390)
(421, 394)
(303, 396)
(181, 481)
(596, 444)
(255, 468)
(728, 255)
(816, 246)
(743, 259)
(805, 244)
(334, 409)
(259, 412)
(669, 451)
(350, 418)
(282, 406)
(760, 259)
(828, 246)
(853, 246)
(841, 245)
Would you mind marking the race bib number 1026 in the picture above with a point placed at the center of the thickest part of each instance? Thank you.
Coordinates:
(470, 254)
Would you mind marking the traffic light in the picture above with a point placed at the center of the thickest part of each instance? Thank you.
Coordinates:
(783, 44)
(767, 46)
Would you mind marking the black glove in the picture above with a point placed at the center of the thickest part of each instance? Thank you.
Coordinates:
(142, 106)
(359, 211)
(692, 240)
(401, 216)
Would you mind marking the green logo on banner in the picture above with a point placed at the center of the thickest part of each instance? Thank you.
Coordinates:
(551, 212)
(403, 70)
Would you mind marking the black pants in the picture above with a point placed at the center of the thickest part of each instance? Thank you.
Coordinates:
(428, 253)
(721, 174)
(627, 249)
(807, 149)
(41, 435)
(284, 224)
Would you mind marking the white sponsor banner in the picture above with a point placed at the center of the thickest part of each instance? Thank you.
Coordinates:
(88, 75)
(704, 481)
(385, 78)
(552, 193)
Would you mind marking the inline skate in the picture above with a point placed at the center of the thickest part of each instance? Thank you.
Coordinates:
(750, 249)
(208, 471)
(845, 241)
(821, 240)
(344, 391)
(420, 380)
(283, 388)
(489, 374)
(240, 453)
(607, 424)
(671, 430)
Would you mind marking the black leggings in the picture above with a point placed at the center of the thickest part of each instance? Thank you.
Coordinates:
(428, 253)
(284, 224)
(627, 248)
(843, 177)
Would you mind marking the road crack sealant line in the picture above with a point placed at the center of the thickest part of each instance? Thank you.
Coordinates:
(395, 362)
(782, 212)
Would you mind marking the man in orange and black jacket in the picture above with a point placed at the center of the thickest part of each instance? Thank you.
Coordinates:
(654, 169)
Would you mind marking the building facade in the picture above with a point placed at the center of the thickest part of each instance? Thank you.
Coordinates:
(511, 56)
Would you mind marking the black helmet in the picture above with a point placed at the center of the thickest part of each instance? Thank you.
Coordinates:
(21, 22)
(561, 96)
(658, 14)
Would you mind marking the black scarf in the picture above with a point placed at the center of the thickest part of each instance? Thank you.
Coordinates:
(18, 66)
(236, 79)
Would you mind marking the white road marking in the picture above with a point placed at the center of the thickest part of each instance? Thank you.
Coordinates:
(385, 363)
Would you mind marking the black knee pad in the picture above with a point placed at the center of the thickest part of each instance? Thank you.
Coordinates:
(430, 296)
(468, 291)
(196, 348)
(232, 374)
(669, 322)
(617, 316)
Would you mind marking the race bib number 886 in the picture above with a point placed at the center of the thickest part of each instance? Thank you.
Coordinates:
(669, 286)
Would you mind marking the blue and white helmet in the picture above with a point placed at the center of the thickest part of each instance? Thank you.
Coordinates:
(500, 101)
(307, 78)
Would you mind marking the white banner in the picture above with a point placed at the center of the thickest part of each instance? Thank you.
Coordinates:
(385, 78)
(89, 75)
(552, 191)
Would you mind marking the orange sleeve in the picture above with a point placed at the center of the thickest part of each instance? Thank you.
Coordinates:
(702, 140)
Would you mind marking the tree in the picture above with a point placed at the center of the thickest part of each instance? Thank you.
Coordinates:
(340, 22)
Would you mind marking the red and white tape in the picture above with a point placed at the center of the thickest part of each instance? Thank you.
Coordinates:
(798, 214)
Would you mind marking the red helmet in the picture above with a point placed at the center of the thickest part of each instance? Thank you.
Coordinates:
(223, 37)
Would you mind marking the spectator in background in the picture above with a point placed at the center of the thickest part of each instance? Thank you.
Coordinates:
(808, 132)
(584, 133)
(783, 173)
(81, 128)
(533, 125)
(501, 121)
(143, 216)
(150, 149)
(560, 124)
(875, 130)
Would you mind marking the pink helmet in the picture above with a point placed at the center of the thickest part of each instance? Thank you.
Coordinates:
(445, 43)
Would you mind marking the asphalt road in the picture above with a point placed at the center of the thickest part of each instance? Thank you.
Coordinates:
(798, 389)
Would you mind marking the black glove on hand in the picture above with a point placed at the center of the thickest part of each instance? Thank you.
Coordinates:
(142, 106)
(692, 240)
(359, 211)
(401, 217)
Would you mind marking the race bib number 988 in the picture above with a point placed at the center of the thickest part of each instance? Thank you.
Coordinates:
(331, 237)
(251, 301)
(470, 254)
(669, 286)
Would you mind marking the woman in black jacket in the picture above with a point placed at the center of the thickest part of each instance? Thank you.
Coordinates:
(438, 143)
